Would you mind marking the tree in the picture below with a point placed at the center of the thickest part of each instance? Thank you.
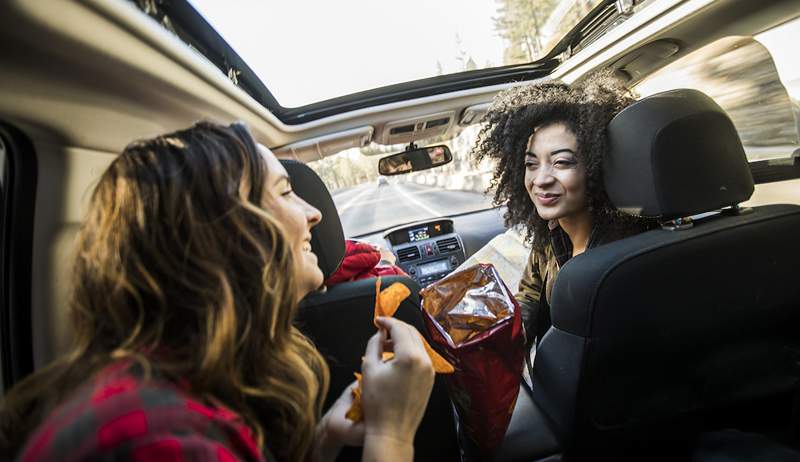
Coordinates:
(520, 23)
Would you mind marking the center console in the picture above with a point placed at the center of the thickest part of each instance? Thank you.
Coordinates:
(427, 251)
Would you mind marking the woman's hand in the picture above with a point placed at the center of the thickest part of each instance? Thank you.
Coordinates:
(335, 430)
(395, 393)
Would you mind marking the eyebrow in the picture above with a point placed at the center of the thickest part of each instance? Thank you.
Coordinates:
(557, 151)
(281, 177)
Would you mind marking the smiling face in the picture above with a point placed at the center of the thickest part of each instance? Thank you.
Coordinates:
(297, 217)
(554, 176)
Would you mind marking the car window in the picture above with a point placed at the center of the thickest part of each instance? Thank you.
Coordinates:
(3, 308)
(368, 202)
(756, 80)
(421, 40)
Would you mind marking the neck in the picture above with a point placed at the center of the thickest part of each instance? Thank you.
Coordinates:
(578, 227)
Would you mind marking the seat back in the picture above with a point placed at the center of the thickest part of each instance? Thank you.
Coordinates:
(663, 335)
(339, 320)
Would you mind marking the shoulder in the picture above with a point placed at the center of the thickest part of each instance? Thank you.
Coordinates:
(119, 414)
(540, 258)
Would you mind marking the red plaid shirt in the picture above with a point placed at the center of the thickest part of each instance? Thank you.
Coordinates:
(119, 416)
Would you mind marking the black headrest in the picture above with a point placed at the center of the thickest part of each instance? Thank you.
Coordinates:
(327, 238)
(675, 154)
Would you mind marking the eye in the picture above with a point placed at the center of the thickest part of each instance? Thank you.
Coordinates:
(564, 163)
(287, 192)
(531, 164)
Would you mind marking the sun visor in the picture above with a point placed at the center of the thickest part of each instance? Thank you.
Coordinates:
(319, 147)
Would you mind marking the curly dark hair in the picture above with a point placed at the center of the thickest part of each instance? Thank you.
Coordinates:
(586, 109)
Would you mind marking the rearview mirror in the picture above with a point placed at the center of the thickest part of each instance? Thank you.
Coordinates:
(415, 160)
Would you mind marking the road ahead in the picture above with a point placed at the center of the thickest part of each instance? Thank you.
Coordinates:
(369, 207)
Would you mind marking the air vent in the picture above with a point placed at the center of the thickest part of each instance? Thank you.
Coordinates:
(408, 254)
(402, 129)
(448, 245)
(437, 122)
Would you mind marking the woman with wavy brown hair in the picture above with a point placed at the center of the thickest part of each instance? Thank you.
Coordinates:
(549, 141)
(188, 271)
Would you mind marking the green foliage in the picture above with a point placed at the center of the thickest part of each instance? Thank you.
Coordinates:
(533, 27)
(520, 22)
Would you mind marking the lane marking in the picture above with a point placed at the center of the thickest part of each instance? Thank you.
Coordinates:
(352, 201)
(416, 202)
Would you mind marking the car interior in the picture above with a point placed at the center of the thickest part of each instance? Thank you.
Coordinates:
(658, 341)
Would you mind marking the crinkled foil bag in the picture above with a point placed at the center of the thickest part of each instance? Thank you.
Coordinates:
(474, 321)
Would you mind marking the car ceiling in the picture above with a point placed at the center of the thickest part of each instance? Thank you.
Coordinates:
(103, 64)
(84, 78)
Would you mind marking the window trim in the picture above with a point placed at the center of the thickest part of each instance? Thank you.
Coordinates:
(17, 203)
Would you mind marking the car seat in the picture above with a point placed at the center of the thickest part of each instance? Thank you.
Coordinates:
(339, 320)
(690, 328)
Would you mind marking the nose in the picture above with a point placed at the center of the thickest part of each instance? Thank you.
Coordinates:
(544, 175)
(313, 215)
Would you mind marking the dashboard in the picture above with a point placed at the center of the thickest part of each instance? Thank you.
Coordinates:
(427, 251)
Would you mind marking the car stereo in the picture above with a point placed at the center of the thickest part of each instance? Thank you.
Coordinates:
(427, 251)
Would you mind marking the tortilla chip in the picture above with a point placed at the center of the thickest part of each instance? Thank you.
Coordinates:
(355, 413)
(388, 301)
(440, 365)
(392, 297)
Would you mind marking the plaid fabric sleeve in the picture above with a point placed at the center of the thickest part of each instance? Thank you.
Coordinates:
(119, 417)
(529, 294)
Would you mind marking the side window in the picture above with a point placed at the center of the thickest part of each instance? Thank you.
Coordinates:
(3, 308)
(18, 167)
(757, 82)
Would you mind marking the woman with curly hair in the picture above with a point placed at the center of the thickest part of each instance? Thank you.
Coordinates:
(548, 141)
(187, 276)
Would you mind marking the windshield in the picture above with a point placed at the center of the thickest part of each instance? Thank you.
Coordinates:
(309, 51)
(368, 202)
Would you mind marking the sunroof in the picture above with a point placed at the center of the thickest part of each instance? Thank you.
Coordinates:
(310, 51)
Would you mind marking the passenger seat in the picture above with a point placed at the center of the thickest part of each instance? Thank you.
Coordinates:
(661, 337)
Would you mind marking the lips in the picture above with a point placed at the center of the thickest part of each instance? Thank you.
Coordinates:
(547, 199)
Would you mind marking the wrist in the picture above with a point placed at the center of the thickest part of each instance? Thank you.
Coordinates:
(391, 447)
(326, 448)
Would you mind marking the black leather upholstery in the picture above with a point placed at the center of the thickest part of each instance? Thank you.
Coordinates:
(662, 336)
(665, 328)
(340, 322)
(327, 238)
(675, 154)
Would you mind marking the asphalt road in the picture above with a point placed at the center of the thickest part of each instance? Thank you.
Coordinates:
(369, 207)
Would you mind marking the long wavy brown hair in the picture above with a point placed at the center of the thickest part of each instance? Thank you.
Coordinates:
(181, 266)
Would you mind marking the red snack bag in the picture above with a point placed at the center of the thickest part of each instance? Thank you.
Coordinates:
(474, 321)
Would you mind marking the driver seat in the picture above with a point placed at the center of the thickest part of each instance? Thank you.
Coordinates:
(339, 320)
